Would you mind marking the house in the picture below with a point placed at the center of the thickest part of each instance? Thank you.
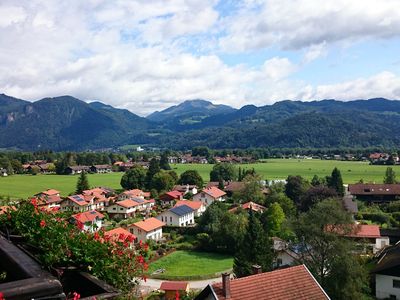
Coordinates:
(48, 192)
(180, 216)
(209, 195)
(169, 198)
(293, 283)
(172, 288)
(375, 193)
(387, 273)
(101, 169)
(184, 189)
(76, 170)
(148, 229)
(249, 206)
(285, 255)
(123, 209)
(198, 206)
(135, 193)
(369, 235)
(78, 203)
(91, 221)
(120, 234)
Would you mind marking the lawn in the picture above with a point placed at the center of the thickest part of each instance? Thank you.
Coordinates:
(191, 264)
(352, 171)
(23, 186)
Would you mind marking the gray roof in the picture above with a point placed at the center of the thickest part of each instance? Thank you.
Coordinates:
(181, 210)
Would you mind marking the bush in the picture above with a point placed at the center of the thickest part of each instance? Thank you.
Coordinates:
(379, 218)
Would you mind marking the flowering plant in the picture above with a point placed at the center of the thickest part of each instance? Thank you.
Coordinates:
(57, 243)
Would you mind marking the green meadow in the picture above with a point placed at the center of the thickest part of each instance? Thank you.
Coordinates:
(23, 186)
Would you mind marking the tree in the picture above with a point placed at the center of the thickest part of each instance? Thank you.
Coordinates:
(223, 171)
(295, 188)
(287, 204)
(154, 168)
(252, 190)
(164, 164)
(134, 178)
(82, 184)
(390, 176)
(162, 181)
(272, 220)
(326, 253)
(254, 248)
(316, 194)
(191, 177)
(201, 151)
(335, 182)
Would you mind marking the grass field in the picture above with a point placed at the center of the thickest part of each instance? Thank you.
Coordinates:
(352, 171)
(23, 186)
(191, 263)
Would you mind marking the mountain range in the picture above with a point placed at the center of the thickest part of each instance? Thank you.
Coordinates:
(67, 123)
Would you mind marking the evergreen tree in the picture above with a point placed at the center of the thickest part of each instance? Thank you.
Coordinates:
(335, 182)
(164, 164)
(390, 176)
(82, 184)
(254, 249)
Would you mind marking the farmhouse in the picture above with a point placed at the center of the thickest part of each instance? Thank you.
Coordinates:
(135, 193)
(148, 229)
(90, 221)
(285, 256)
(375, 193)
(184, 189)
(101, 169)
(209, 195)
(76, 170)
(180, 216)
(78, 203)
(293, 283)
(387, 273)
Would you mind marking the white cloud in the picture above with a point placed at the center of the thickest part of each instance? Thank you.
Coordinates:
(10, 15)
(296, 24)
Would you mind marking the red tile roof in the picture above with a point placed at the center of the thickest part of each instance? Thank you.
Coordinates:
(116, 233)
(174, 286)
(195, 205)
(5, 209)
(214, 192)
(127, 203)
(366, 231)
(295, 283)
(250, 205)
(88, 216)
(149, 224)
(174, 194)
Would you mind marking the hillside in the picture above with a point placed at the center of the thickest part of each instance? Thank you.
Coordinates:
(67, 123)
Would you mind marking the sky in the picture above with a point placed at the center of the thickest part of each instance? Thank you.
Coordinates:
(146, 55)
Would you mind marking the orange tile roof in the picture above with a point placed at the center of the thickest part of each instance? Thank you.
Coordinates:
(149, 224)
(295, 283)
(195, 205)
(174, 194)
(127, 203)
(116, 233)
(82, 202)
(4, 209)
(174, 285)
(365, 231)
(88, 216)
(214, 192)
(50, 192)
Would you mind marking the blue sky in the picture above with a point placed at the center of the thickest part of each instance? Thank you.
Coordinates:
(146, 55)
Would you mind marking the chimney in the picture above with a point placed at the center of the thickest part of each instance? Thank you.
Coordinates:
(226, 285)
(256, 269)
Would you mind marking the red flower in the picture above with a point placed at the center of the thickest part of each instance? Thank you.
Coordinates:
(2, 296)
(43, 223)
(146, 246)
(34, 202)
(121, 237)
(144, 278)
(76, 296)
(145, 266)
(96, 236)
(130, 238)
(176, 295)
(80, 225)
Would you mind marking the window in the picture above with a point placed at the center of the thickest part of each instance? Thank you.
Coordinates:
(170, 219)
(114, 208)
(279, 261)
(396, 283)
(392, 297)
